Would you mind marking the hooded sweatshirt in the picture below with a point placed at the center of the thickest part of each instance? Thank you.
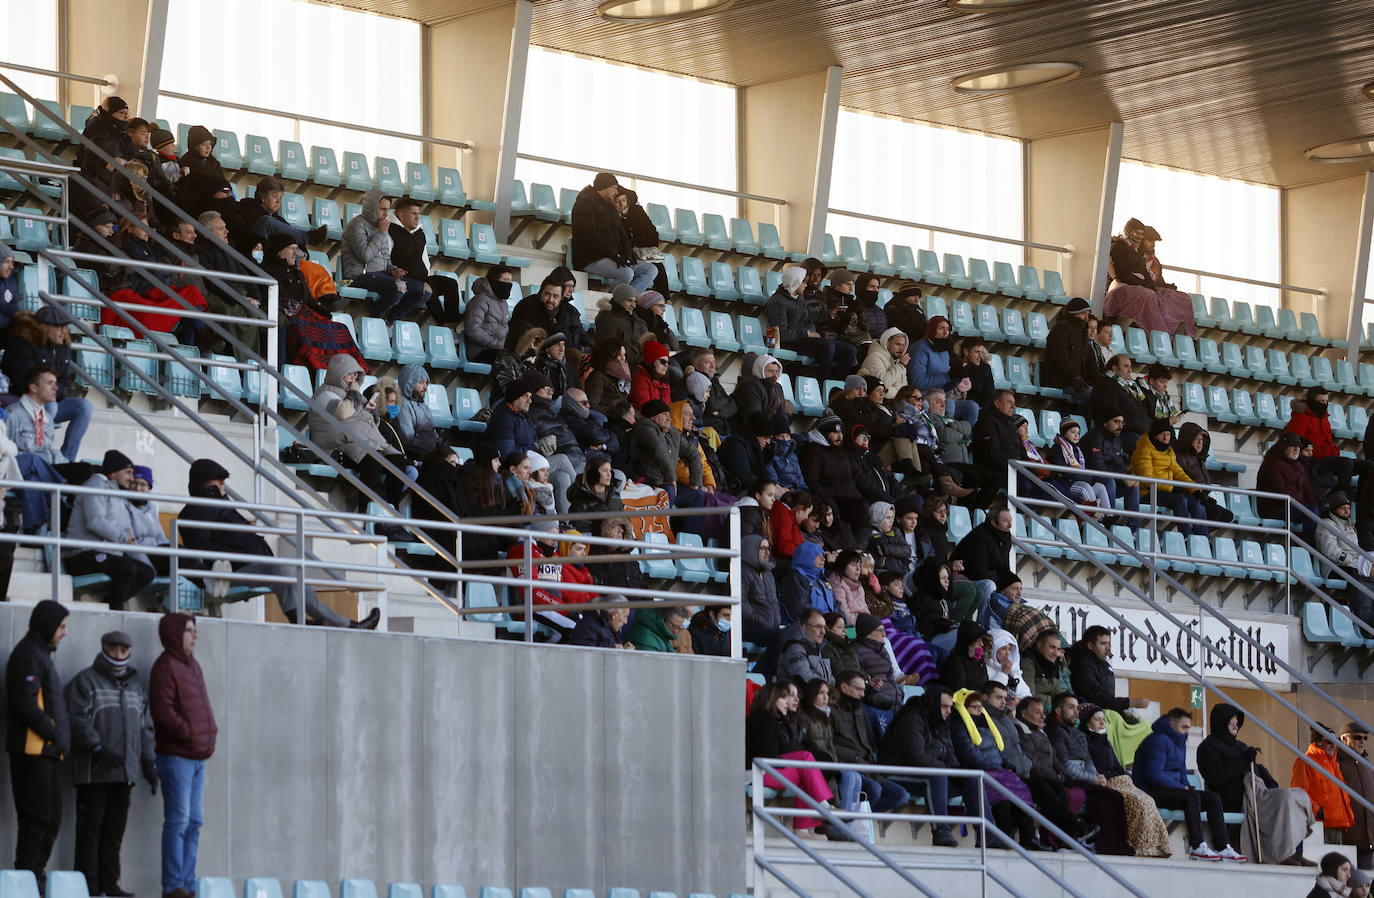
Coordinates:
(1012, 681)
(366, 248)
(35, 712)
(1329, 801)
(415, 422)
(806, 584)
(879, 363)
(339, 418)
(759, 591)
(1223, 760)
(183, 721)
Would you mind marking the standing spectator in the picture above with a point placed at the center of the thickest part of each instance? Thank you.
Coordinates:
(1154, 457)
(486, 323)
(1329, 802)
(601, 245)
(43, 338)
(1117, 393)
(1161, 772)
(185, 730)
(112, 742)
(787, 312)
(107, 128)
(408, 253)
(107, 519)
(366, 261)
(1103, 451)
(37, 736)
(1069, 364)
(1359, 777)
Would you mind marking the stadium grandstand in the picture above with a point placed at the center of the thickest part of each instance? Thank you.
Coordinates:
(520, 448)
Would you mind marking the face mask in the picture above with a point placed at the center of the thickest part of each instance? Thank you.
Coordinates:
(868, 296)
(257, 255)
(723, 625)
(393, 410)
(977, 653)
(501, 289)
(1099, 730)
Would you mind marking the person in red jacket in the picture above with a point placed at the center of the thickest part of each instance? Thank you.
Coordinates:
(785, 521)
(575, 570)
(545, 564)
(1313, 425)
(1281, 472)
(650, 379)
(184, 730)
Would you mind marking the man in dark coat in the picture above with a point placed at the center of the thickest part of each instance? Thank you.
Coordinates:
(1360, 778)
(986, 551)
(1068, 362)
(1103, 451)
(855, 743)
(112, 741)
(37, 736)
(995, 440)
(1104, 805)
(1223, 760)
(601, 245)
(1048, 780)
(1091, 673)
(1117, 393)
(919, 737)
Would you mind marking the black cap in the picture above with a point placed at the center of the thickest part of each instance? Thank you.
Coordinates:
(203, 470)
(533, 381)
(117, 637)
(515, 389)
(115, 461)
(1077, 306)
(54, 315)
(865, 624)
(656, 407)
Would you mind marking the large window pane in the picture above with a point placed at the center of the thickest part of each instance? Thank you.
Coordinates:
(938, 176)
(296, 66)
(1207, 223)
(29, 37)
(655, 124)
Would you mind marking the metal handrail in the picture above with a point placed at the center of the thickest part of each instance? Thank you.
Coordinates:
(52, 73)
(1028, 244)
(314, 119)
(719, 191)
(1197, 272)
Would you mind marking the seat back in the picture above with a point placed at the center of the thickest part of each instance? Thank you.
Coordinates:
(693, 324)
(723, 281)
(1029, 278)
(852, 254)
(769, 241)
(324, 167)
(713, 229)
(257, 155)
(1231, 358)
(1037, 327)
(1243, 316)
(1256, 363)
(658, 215)
(954, 266)
(450, 187)
(542, 199)
(227, 150)
(685, 221)
(294, 211)
(979, 274)
(483, 239)
(1194, 398)
(1004, 277)
(742, 235)
(1322, 371)
(904, 260)
(436, 400)
(875, 251)
(749, 285)
(1218, 403)
(694, 276)
(420, 182)
(963, 321)
(722, 330)
(357, 173)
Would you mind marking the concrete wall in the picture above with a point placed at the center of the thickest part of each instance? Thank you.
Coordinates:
(401, 758)
(1064, 176)
(779, 136)
(1321, 224)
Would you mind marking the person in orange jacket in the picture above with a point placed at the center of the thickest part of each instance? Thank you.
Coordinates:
(1330, 803)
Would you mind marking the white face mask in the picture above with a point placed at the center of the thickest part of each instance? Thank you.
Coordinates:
(1101, 729)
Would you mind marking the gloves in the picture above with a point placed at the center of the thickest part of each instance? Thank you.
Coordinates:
(150, 774)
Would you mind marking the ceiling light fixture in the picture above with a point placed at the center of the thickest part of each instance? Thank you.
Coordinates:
(1355, 149)
(658, 10)
(1368, 90)
(989, 5)
(1016, 77)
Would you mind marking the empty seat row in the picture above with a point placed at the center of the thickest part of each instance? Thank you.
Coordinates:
(1261, 320)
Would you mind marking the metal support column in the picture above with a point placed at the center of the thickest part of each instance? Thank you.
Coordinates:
(510, 122)
(1106, 212)
(825, 161)
(1357, 291)
(154, 42)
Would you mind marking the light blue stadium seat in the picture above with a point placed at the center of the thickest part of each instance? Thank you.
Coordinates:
(694, 570)
(960, 523)
(1345, 630)
(769, 242)
(1162, 348)
(750, 288)
(954, 272)
(227, 381)
(723, 332)
(981, 277)
(1265, 321)
(431, 238)
(265, 887)
(450, 187)
(453, 241)
(68, 884)
(519, 202)
(1257, 365)
(466, 405)
(1243, 317)
(357, 173)
(655, 565)
(852, 256)
(933, 305)
(1118, 341)
(401, 890)
(930, 268)
(374, 340)
(257, 155)
(1004, 277)
(1315, 627)
(45, 128)
(298, 376)
(742, 237)
(875, 253)
(1037, 328)
(988, 325)
(963, 320)
(1219, 404)
(1209, 354)
(694, 277)
(1267, 411)
(1243, 408)
(809, 399)
(215, 887)
(659, 216)
(1049, 423)
(1279, 368)
(30, 235)
(1070, 532)
(999, 375)
(440, 350)
(420, 182)
(713, 231)
(1194, 398)
(688, 231)
(227, 150)
(357, 888)
(408, 342)
(78, 114)
(1288, 326)
(1233, 359)
(1322, 371)
(1345, 377)
(621, 892)
(1123, 533)
(1365, 378)
(1221, 314)
(543, 203)
(1138, 346)
(693, 327)
(293, 162)
(1014, 328)
(1225, 553)
(829, 257)
(670, 269)
(1101, 548)
(294, 211)
(327, 214)
(567, 198)
(129, 379)
(388, 176)
(1185, 351)
(904, 261)
(1275, 556)
(723, 281)
(1054, 287)
(1200, 548)
(449, 890)
(1357, 421)
(1251, 556)
(1201, 316)
(179, 379)
(1173, 543)
(13, 111)
(483, 242)
(751, 334)
(1312, 331)
(1038, 531)
(1029, 282)
(437, 401)
(1301, 367)
(324, 167)
(1340, 428)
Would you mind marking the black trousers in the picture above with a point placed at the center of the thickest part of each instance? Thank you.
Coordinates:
(102, 809)
(443, 302)
(38, 806)
(1193, 802)
(127, 577)
(378, 479)
(1052, 801)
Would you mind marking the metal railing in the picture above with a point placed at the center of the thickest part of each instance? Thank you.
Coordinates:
(1199, 274)
(718, 191)
(53, 73)
(1066, 251)
(768, 816)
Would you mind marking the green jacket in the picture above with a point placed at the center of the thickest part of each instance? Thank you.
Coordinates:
(1042, 686)
(650, 632)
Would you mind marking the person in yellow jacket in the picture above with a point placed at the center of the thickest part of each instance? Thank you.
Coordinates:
(1154, 457)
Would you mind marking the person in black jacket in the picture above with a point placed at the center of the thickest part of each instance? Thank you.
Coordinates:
(1117, 393)
(1103, 451)
(966, 667)
(203, 175)
(207, 480)
(37, 736)
(855, 743)
(919, 737)
(986, 552)
(1068, 361)
(622, 574)
(107, 128)
(710, 631)
(773, 730)
(1223, 760)
(540, 309)
(904, 310)
(996, 441)
(601, 246)
(601, 629)
(1092, 676)
(408, 253)
(229, 297)
(643, 234)
(1104, 805)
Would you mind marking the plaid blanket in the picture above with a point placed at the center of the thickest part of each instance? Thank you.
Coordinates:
(311, 339)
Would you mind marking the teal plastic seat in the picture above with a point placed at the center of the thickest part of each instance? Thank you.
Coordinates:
(99, 367)
(621, 892)
(1265, 321)
(1243, 317)
(1201, 316)
(829, 257)
(449, 890)
(215, 887)
(1279, 368)
(294, 211)
(1219, 404)
(771, 281)
(519, 202)
(1138, 346)
(402, 890)
(930, 268)
(1257, 365)
(655, 565)
(723, 332)
(750, 288)
(227, 150)
(809, 399)
(1345, 377)
(227, 382)
(1251, 557)
(1275, 556)
(1340, 428)
(437, 401)
(1315, 627)
(934, 305)
(1049, 423)
(466, 405)
(1221, 314)
(45, 128)
(374, 340)
(357, 173)
(299, 377)
(388, 176)
(670, 271)
(179, 379)
(1225, 553)
(693, 323)
(662, 220)
(1312, 331)
(453, 241)
(68, 883)
(1054, 287)
(30, 235)
(1200, 548)
(1118, 342)
(960, 523)
(999, 376)
(324, 167)
(1162, 348)
(1100, 546)
(751, 334)
(1194, 398)
(1029, 281)
(1322, 372)
(688, 232)
(543, 203)
(723, 281)
(408, 342)
(1037, 328)
(1174, 544)
(327, 214)
(567, 198)
(963, 320)
(694, 277)
(1209, 355)
(257, 155)
(1232, 358)
(988, 325)
(713, 231)
(769, 242)
(294, 163)
(357, 888)
(1005, 279)
(482, 239)
(14, 112)
(875, 256)
(419, 182)
(264, 887)
(1357, 421)
(1345, 630)
(449, 187)
(742, 237)
(130, 380)
(1288, 326)
(1186, 352)
(1014, 328)
(980, 276)
(1052, 547)
(694, 570)
(1267, 411)
(440, 350)
(904, 261)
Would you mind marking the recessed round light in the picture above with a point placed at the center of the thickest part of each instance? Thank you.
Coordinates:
(989, 5)
(1368, 90)
(658, 10)
(1353, 150)
(1030, 74)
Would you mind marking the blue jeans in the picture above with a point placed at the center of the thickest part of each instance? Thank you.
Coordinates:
(183, 785)
(36, 505)
(1130, 499)
(391, 303)
(963, 410)
(640, 275)
(77, 411)
(883, 795)
(1185, 504)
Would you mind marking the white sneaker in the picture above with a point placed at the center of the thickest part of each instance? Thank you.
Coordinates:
(1203, 852)
(1230, 854)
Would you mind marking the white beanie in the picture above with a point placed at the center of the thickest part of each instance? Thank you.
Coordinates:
(537, 461)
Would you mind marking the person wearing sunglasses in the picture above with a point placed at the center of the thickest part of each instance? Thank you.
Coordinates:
(1359, 777)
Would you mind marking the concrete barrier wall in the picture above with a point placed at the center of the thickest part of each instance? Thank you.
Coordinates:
(402, 758)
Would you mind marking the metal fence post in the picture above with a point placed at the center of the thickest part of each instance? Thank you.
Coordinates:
(55, 527)
(529, 586)
(300, 566)
(736, 577)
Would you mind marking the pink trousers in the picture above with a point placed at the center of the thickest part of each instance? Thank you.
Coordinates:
(811, 781)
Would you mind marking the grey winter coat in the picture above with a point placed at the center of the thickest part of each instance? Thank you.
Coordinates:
(339, 418)
(1071, 748)
(759, 591)
(416, 424)
(100, 517)
(660, 450)
(1344, 554)
(486, 322)
(108, 709)
(955, 438)
(1015, 758)
(801, 660)
(147, 528)
(366, 248)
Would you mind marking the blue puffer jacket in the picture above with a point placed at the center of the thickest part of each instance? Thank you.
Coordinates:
(510, 431)
(806, 585)
(783, 466)
(984, 755)
(928, 368)
(1161, 761)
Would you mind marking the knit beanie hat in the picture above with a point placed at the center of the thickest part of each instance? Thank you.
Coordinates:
(865, 624)
(537, 461)
(621, 293)
(114, 104)
(650, 298)
(161, 137)
(115, 461)
(276, 243)
(5, 252)
(841, 276)
(697, 385)
(653, 351)
(603, 180)
(654, 407)
(144, 473)
(203, 470)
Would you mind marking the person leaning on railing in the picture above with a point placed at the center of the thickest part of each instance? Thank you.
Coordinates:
(108, 519)
(1338, 541)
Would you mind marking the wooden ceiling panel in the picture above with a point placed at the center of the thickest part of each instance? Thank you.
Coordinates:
(1236, 88)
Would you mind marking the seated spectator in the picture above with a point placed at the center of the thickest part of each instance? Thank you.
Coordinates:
(643, 234)
(516, 358)
(1159, 403)
(755, 506)
(601, 246)
(1191, 450)
(743, 452)
(866, 321)
(657, 629)
(979, 745)
(889, 549)
(781, 463)
(805, 585)
(1100, 341)
(607, 378)
(760, 390)
(844, 581)
(595, 491)
(650, 378)
(972, 365)
(619, 324)
(774, 730)
(207, 481)
(107, 128)
(1103, 451)
(142, 151)
(201, 173)
(228, 297)
(1008, 593)
(1048, 779)
(408, 254)
(759, 606)
(1337, 878)
(966, 661)
(516, 472)
(856, 743)
(652, 309)
(620, 424)
(1138, 291)
(619, 574)
(710, 631)
(569, 313)
(719, 406)
(929, 368)
(1312, 424)
(601, 629)
(1091, 675)
(887, 360)
(1003, 663)
(1161, 772)
(31, 426)
(553, 436)
(1028, 484)
(310, 337)
(365, 261)
(1117, 394)
(587, 426)
(863, 405)
(540, 309)
(342, 421)
(1225, 764)
(1065, 452)
(1358, 776)
(147, 525)
(884, 680)
(140, 287)
(1330, 803)
(1144, 827)
(986, 551)
(1103, 805)
(817, 705)
(260, 215)
(108, 519)
(919, 736)
(932, 532)
(43, 338)
(996, 442)
(1043, 668)
(873, 478)
(485, 323)
(785, 522)
(9, 287)
(787, 312)
(1068, 363)
(544, 565)
(838, 648)
(661, 446)
(1346, 553)
(1154, 457)
(928, 603)
(418, 433)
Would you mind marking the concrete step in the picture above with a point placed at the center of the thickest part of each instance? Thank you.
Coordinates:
(34, 586)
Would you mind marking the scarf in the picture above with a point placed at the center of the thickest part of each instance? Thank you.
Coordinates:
(960, 698)
(1032, 453)
(1332, 887)
(1129, 386)
(1072, 454)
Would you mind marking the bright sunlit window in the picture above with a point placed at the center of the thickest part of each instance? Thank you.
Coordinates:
(1207, 223)
(655, 124)
(915, 172)
(301, 68)
(30, 38)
